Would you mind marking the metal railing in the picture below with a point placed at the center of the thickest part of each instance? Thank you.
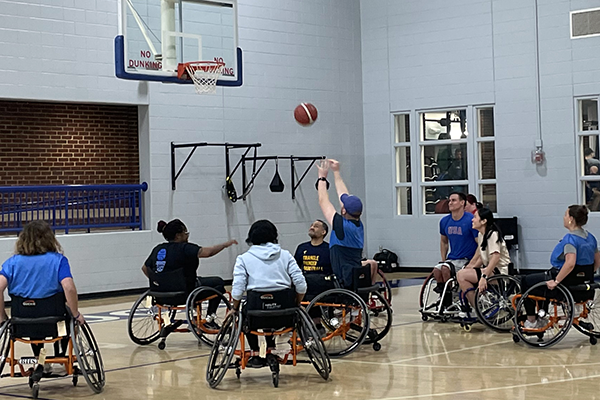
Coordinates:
(70, 207)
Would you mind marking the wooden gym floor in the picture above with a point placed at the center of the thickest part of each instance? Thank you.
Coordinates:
(418, 360)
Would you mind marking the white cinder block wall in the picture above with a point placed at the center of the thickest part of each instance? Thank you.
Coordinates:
(309, 50)
(438, 54)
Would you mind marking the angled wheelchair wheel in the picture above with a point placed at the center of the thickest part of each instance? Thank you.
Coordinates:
(4, 344)
(143, 325)
(587, 317)
(345, 317)
(429, 300)
(554, 310)
(88, 356)
(386, 288)
(223, 350)
(204, 326)
(494, 306)
(380, 317)
(313, 345)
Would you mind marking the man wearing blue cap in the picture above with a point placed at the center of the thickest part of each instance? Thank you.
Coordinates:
(348, 233)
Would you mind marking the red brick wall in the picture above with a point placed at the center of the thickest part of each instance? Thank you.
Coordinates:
(64, 144)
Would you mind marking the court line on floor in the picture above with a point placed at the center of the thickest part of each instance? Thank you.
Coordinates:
(19, 396)
(451, 351)
(481, 390)
(113, 370)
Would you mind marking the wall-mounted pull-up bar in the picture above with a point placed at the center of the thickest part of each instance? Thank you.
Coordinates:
(194, 146)
(293, 159)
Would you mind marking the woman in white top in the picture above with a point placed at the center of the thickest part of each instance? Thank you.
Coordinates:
(490, 258)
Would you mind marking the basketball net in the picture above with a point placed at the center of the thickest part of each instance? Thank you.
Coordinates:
(205, 74)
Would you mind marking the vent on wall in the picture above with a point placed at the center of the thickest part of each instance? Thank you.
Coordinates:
(585, 23)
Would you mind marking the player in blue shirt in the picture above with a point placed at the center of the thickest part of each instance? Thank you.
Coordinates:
(577, 247)
(456, 235)
(39, 270)
(348, 233)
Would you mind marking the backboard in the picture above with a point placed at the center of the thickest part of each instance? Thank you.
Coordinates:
(157, 35)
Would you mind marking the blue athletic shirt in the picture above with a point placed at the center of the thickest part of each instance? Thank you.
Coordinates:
(580, 242)
(346, 245)
(36, 277)
(461, 235)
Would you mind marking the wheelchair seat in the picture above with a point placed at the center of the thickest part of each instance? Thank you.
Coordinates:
(271, 310)
(361, 281)
(581, 274)
(37, 319)
(317, 284)
(169, 288)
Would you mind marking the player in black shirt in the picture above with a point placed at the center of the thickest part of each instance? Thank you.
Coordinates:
(178, 253)
(313, 256)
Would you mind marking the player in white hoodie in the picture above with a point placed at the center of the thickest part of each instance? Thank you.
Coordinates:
(265, 267)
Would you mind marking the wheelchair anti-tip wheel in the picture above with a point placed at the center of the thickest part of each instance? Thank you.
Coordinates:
(345, 317)
(223, 349)
(494, 306)
(143, 321)
(88, 356)
(205, 327)
(313, 345)
(554, 310)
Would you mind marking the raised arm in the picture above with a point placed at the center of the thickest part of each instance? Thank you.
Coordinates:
(340, 186)
(326, 206)
(210, 251)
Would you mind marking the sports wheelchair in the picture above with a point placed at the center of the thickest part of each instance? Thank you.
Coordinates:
(574, 302)
(444, 305)
(154, 314)
(37, 322)
(493, 308)
(352, 317)
(266, 314)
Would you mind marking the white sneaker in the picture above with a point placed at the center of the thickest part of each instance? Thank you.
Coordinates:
(537, 324)
(577, 310)
(48, 369)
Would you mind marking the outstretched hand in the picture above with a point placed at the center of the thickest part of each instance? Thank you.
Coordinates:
(323, 167)
(231, 242)
(334, 164)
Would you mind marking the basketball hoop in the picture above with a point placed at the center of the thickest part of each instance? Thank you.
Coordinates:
(204, 74)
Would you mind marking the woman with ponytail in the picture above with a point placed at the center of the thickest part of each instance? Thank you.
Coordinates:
(491, 257)
(577, 248)
(177, 252)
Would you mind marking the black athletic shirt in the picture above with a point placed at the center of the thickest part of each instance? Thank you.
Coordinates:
(314, 259)
(172, 256)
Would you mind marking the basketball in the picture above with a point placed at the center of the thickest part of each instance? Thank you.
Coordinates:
(305, 114)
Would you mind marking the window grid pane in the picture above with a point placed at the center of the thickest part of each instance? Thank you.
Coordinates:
(443, 125)
(486, 122)
(488, 196)
(444, 162)
(404, 200)
(403, 163)
(487, 160)
(436, 197)
(588, 115)
(402, 129)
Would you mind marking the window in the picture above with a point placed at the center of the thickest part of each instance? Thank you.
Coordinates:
(486, 150)
(589, 165)
(444, 158)
(444, 153)
(403, 164)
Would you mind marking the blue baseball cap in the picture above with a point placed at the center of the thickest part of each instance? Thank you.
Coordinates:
(352, 204)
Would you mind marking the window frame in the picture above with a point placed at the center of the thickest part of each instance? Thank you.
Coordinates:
(395, 146)
(418, 143)
(479, 139)
(579, 159)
